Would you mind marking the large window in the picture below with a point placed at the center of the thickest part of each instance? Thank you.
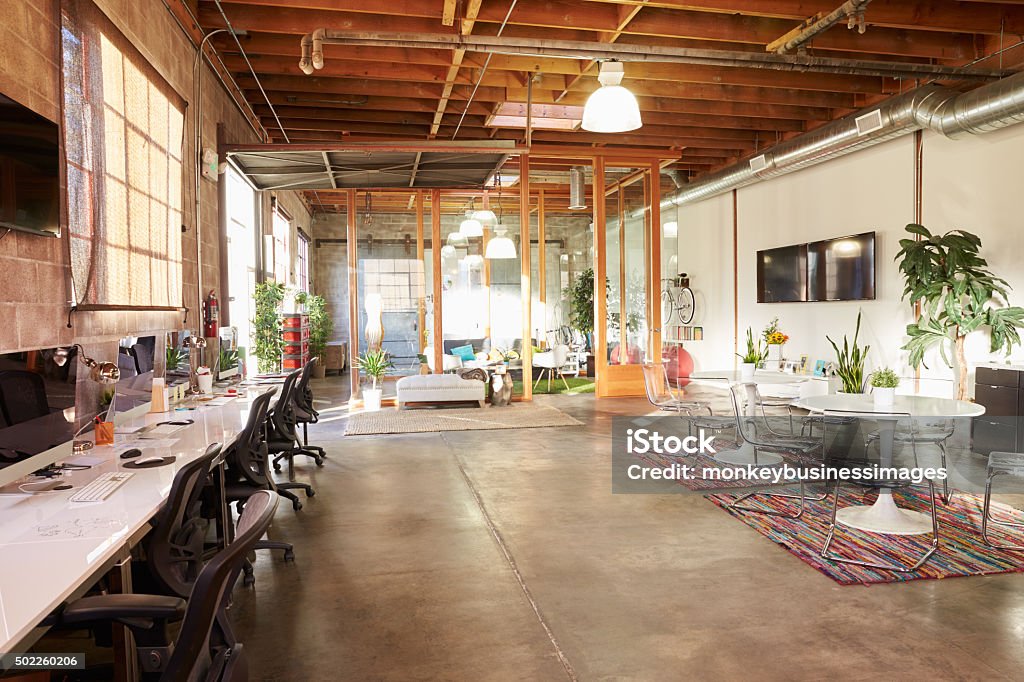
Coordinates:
(123, 133)
(282, 237)
(302, 262)
(241, 235)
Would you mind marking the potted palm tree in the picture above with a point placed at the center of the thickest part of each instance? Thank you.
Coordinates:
(374, 364)
(958, 296)
(320, 328)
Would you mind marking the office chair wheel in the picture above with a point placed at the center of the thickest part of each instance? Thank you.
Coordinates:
(248, 578)
(310, 492)
(296, 505)
(277, 467)
(289, 555)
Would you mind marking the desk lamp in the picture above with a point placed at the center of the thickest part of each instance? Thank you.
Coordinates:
(103, 373)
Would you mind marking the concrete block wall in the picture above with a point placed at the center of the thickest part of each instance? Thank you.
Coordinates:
(34, 271)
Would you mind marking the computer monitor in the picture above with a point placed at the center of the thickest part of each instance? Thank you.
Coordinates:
(37, 403)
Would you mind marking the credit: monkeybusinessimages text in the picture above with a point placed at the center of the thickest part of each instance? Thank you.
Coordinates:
(648, 442)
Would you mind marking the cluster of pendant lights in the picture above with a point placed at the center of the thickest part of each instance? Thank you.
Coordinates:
(499, 246)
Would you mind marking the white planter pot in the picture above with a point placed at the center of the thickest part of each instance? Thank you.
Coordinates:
(884, 397)
(747, 370)
(371, 399)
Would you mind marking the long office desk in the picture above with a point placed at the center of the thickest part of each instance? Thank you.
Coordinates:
(52, 549)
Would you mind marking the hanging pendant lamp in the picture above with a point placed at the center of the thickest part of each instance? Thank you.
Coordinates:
(611, 108)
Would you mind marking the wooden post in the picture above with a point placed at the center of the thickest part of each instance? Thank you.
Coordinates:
(435, 254)
(600, 276)
(623, 312)
(542, 267)
(353, 291)
(421, 304)
(487, 270)
(654, 296)
(524, 282)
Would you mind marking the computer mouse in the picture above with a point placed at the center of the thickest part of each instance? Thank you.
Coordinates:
(150, 460)
(128, 454)
(63, 486)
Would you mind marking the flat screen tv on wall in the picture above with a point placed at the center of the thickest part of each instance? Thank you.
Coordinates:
(29, 171)
(840, 269)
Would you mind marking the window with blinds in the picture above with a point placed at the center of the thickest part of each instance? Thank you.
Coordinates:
(124, 128)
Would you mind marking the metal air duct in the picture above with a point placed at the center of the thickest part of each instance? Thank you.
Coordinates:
(577, 188)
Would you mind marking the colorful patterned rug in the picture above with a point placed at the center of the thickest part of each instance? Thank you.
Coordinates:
(961, 551)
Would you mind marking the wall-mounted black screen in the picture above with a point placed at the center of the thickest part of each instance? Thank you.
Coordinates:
(29, 170)
(841, 269)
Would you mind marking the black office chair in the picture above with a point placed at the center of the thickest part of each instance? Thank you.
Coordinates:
(174, 548)
(305, 413)
(282, 439)
(205, 648)
(22, 396)
(246, 474)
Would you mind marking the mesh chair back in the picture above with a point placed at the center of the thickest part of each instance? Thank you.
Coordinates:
(22, 396)
(282, 417)
(174, 548)
(246, 456)
(656, 384)
(303, 393)
(143, 357)
(205, 633)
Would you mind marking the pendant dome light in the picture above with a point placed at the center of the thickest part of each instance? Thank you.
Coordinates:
(456, 239)
(499, 247)
(471, 227)
(611, 108)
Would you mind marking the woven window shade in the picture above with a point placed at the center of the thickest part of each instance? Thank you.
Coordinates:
(124, 128)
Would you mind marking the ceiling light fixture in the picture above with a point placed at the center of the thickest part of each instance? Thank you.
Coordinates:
(471, 227)
(500, 247)
(611, 108)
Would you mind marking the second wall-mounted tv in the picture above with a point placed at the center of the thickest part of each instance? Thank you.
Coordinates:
(841, 269)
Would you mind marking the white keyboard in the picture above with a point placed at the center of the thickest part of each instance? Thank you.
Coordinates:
(101, 488)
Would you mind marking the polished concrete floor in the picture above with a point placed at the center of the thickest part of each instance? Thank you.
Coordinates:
(503, 555)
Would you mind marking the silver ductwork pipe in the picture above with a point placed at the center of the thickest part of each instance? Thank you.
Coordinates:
(931, 107)
(577, 188)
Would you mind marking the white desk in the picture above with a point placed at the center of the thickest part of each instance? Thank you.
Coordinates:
(884, 516)
(51, 549)
(744, 455)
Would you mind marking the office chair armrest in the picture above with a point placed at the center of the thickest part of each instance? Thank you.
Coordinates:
(134, 610)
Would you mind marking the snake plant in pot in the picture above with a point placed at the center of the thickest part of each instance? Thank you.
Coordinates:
(850, 361)
(374, 364)
(958, 295)
(754, 356)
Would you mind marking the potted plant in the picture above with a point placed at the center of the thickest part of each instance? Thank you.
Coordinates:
(266, 326)
(320, 328)
(227, 363)
(581, 310)
(774, 337)
(850, 362)
(375, 364)
(958, 295)
(754, 356)
(174, 357)
(883, 386)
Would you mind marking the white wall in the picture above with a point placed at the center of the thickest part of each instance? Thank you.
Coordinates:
(970, 183)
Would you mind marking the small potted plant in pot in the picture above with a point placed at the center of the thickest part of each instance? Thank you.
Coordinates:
(375, 364)
(754, 356)
(850, 361)
(883, 386)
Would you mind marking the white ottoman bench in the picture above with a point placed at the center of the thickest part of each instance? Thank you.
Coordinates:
(439, 388)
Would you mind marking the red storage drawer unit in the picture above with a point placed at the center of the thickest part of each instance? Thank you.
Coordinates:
(295, 334)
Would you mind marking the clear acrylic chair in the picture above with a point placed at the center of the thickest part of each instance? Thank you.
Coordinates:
(756, 430)
(919, 433)
(661, 395)
(1000, 464)
(840, 433)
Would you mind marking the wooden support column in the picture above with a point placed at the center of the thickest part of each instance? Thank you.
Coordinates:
(421, 303)
(600, 276)
(542, 268)
(353, 291)
(654, 295)
(435, 257)
(524, 282)
(487, 270)
(621, 274)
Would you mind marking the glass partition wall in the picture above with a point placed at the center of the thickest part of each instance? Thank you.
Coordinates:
(427, 292)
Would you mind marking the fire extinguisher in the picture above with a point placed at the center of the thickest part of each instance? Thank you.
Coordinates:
(211, 314)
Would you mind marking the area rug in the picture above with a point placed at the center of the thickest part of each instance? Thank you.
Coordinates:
(961, 551)
(420, 420)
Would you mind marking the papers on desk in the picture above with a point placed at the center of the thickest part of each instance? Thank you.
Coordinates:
(220, 400)
(127, 430)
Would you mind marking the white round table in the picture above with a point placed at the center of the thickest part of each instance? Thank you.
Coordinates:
(744, 455)
(884, 516)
